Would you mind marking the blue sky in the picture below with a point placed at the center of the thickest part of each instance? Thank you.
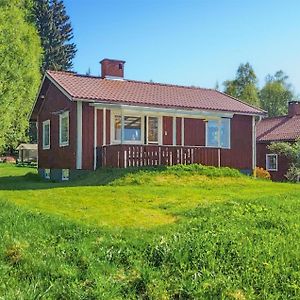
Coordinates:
(188, 42)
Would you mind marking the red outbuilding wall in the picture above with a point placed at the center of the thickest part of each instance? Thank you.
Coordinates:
(283, 162)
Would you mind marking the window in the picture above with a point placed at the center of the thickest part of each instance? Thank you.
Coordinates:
(46, 134)
(64, 129)
(152, 127)
(65, 174)
(272, 162)
(132, 128)
(118, 128)
(218, 133)
(225, 133)
(47, 174)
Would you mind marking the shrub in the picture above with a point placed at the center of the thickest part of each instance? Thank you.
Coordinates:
(209, 171)
(262, 173)
(293, 174)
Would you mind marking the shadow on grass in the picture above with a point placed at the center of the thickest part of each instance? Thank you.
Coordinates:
(32, 181)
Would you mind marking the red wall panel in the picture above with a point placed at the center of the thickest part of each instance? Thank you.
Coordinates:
(240, 154)
(87, 136)
(167, 131)
(108, 116)
(178, 131)
(57, 157)
(194, 132)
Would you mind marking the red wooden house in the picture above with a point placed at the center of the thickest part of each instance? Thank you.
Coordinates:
(87, 122)
(277, 129)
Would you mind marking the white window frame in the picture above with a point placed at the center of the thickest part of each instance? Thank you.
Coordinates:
(61, 116)
(219, 137)
(267, 162)
(47, 173)
(64, 177)
(126, 114)
(159, 127)
(45, 123)
(142, 116)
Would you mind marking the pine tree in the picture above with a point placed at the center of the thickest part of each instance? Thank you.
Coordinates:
(54, 27)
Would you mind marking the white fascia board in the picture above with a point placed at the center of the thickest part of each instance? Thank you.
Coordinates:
(59, 87)
(40, 88)
(193, 113)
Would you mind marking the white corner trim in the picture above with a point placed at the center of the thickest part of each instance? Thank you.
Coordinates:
(104, 127)
(79, 136)
(95, 138)
(253, 143)
(182, 131)
(174, 131)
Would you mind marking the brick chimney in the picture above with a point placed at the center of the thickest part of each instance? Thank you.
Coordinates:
(294, 108)
(112, 68)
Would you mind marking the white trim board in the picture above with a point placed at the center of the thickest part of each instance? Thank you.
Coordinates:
(79, 136)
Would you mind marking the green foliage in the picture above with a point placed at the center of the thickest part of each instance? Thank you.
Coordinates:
(292, 152)
(244, 86)
(289, 150)
(276, 94)
(54, 27)
(293, 174)
(20, 57)
(243, 247)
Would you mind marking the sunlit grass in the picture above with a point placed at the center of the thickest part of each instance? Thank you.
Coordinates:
(178, 233)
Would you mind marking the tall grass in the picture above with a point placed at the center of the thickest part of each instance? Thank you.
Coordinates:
(244, 247)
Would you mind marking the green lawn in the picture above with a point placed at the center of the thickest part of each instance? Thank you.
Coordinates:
(168, 233)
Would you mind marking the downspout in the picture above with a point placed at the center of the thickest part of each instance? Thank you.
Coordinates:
(254, 144)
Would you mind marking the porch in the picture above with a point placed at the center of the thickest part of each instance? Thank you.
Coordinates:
(125, 155)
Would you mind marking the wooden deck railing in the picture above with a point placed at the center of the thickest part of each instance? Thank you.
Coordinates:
(123, 156)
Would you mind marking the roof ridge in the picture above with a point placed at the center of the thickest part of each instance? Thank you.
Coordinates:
(169, 85)
(275, 117)
(134, 81)
(70, 73)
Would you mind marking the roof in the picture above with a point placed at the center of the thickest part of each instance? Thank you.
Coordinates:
(91, 88)
(283, 128)
(27, 147)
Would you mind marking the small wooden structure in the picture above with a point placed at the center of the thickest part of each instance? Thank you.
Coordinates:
(28, 153)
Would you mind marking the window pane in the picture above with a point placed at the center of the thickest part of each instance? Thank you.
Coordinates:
(212, 133)
(64, 129)
(152, 129)
(224, 133)
(117, 128)
(271, 162)
(132, 128)
(46, 134)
